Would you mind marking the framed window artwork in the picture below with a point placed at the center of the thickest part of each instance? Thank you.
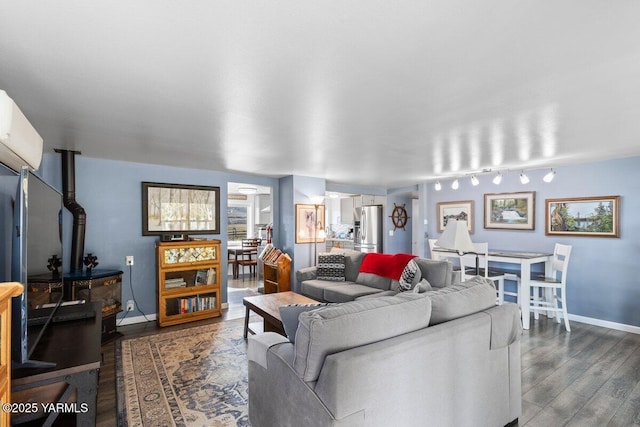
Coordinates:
(583, 216)
(460, 211)
(511, 211)
(180, 209)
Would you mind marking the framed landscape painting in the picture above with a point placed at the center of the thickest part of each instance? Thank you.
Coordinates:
(460, 211)
(583, 216)
(512, 211)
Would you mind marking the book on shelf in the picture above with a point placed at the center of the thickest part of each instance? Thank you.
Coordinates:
(174, 283)
(266, 251)
(197, 303)
(205, 277)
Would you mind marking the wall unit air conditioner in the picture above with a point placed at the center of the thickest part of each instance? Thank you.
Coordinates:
(20, 143)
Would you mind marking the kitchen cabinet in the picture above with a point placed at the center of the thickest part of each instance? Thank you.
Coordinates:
(347, 205)
(370, 199)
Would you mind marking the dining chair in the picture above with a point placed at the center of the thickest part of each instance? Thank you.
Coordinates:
(550, 293)
(432, 244)
(233, 262)
(249, 256)
(468, 268)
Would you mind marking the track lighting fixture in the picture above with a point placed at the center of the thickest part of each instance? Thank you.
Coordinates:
(549, 176)
(524, 178)
(474, 180)
(455, 184)
(497, 179)
(438, 186)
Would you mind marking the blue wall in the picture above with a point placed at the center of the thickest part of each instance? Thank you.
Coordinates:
(602, 276)
(110, 193)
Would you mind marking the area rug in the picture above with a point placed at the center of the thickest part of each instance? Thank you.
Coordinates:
(189, 377)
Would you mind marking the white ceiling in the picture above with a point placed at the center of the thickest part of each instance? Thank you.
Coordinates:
(384, 93)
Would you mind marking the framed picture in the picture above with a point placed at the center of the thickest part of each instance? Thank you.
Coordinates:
(583, 216)
(460, 211)
(309, 223)
(180, 209)
(512, 211)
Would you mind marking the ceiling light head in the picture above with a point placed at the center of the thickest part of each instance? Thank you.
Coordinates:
(497, 179)
(549, 176)
(524, 178)
(474, 180)
(438, 186)
(247, 190)
(455, 184)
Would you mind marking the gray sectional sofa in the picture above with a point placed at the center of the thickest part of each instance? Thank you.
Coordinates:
(447, 357)
(356, 284)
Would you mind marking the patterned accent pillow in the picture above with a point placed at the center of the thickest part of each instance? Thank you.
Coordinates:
(410, 276)
(331, 267)
(290, 314)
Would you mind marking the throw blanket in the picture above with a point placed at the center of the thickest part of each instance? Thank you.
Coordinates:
(385, 265)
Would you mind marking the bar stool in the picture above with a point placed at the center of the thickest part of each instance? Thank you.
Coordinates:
(550, 293)
(468, 268)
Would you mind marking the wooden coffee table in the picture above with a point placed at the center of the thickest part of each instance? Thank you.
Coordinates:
(267, 306)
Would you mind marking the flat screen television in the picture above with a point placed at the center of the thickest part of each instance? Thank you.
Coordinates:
(36, 262)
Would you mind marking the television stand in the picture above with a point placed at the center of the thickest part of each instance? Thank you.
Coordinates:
(75, 349)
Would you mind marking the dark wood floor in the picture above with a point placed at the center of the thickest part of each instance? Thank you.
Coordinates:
(107, 411)
(588, 377)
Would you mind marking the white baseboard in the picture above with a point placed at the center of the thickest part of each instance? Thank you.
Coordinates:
(137, 319)
(151, 317)
(605, 324)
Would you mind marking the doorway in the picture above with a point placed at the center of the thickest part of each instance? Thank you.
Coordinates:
(248, 216)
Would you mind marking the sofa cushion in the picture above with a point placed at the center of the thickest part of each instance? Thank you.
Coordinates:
(352, 262)
(289, 316)
(331, 267)
(336, 328)
(438, 273)
(315, 288)
(452, 302)
(374, 281)
(348, 292)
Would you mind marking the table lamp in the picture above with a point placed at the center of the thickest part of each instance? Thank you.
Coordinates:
(456, 237)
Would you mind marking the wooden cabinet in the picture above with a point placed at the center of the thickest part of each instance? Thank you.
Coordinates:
(277, 276)
(188, 281)
(7, 291)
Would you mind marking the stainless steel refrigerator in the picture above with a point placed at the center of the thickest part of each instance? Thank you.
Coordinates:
(370, 229)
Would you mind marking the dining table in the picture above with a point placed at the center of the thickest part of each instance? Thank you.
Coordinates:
(524, 261)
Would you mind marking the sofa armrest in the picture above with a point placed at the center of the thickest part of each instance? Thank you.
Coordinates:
(260, 344)
(307, 273)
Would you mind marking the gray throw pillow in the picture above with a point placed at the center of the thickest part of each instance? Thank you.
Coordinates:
(422, 286)
(290, 313)
(331, 267)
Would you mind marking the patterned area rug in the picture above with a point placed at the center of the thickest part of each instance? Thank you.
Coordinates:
(189, 377)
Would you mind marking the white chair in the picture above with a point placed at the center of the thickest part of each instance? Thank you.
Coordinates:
(550, 293)
(432, 244)
(468, 268)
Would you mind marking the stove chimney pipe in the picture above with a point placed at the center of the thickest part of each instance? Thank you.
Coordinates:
(79, 215)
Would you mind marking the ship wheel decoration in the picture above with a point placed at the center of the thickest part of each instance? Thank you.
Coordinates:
(399, 216)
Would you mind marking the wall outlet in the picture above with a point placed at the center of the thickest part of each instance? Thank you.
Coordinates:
(129, 259)
(131, 305)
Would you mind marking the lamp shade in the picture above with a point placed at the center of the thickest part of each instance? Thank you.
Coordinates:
(456, 237)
